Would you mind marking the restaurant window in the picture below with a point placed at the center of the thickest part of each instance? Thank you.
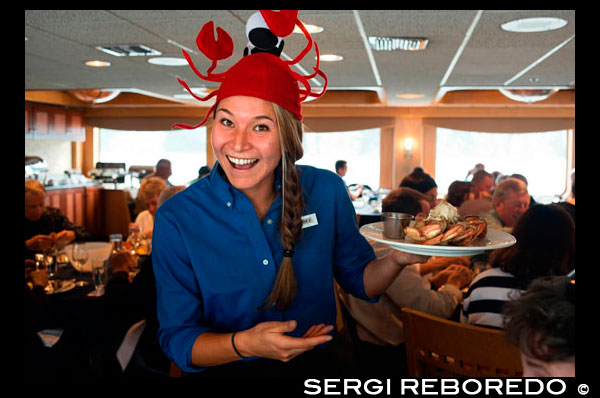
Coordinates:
(186, 149)
(541, 157)
(359, 148)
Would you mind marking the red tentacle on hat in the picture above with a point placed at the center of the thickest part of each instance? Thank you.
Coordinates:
(262, 75)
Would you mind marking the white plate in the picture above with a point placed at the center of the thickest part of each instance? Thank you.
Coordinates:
(494, 239)
(65, 286)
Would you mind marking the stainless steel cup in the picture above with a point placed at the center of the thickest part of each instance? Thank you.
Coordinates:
(394, 223)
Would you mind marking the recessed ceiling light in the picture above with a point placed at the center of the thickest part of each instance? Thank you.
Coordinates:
(330, 57)
(310, 28)
(410, 95)
(542, 24)
(97, 64)
(168, 61)
(398, 43)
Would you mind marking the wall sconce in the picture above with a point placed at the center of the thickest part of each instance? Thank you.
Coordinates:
(408, 146)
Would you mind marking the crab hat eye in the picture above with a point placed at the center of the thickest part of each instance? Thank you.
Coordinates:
(259, 34)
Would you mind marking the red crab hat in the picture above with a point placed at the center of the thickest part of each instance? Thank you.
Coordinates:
(261, 73)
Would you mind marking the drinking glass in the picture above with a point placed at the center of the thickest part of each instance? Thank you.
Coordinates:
(79, 256)
(61, 259)
(51, 266)
(98, 275)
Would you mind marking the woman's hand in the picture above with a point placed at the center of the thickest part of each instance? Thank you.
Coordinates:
(268, 340)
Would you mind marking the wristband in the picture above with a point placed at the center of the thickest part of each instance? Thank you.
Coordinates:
(234, 347)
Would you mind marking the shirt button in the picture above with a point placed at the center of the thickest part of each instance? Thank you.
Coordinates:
(228, 204)
(266, 262)
(269, 221)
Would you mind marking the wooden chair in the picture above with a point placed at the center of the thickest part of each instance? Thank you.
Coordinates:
(437, 347)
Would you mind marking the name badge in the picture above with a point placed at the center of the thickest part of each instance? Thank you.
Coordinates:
(309, 220)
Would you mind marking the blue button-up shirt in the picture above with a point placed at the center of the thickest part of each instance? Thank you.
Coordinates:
(215, 262)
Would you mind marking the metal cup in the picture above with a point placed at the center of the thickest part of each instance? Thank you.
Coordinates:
(394, 224)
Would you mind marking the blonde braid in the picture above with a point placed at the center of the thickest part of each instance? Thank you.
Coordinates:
(290, 130)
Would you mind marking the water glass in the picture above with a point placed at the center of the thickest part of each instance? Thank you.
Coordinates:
(99, 274)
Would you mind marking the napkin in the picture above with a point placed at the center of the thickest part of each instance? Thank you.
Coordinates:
(50, 336)
(125, 351)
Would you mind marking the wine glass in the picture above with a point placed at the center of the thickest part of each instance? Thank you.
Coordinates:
(79, 256)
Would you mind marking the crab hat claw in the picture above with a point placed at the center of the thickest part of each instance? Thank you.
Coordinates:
(281, 23)
(218, 49)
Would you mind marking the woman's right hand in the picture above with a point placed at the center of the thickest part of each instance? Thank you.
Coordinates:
(268, 340)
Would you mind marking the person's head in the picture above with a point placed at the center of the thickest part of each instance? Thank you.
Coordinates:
(482, 182)
(545, 244)
(458, 192)
(541, 322)
(168, 192)
(163, 169)
(511, 200)
(35, 194)
(150, 190)
(341, 168)
(406, 200)
(204, 170)
(422, 182)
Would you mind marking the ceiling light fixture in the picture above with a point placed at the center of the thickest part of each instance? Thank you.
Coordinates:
(528, 25)
(409, 96)
(310, 28)
(168, 61)
(134, 50)
(398, 43)
(529, 95)
(97, 64)
(94, 96)
(330, 57)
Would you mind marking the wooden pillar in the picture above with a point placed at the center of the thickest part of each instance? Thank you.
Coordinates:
(405, 162)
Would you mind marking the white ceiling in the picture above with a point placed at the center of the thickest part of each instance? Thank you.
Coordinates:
(466, 49)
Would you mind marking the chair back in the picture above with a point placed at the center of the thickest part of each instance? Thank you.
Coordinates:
(437, 347)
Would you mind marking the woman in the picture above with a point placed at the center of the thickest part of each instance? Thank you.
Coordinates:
(150, 191)
(545, 246)
(459, 192)
(245, 258)
(422, 182)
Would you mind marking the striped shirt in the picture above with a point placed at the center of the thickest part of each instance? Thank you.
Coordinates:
(483, 302)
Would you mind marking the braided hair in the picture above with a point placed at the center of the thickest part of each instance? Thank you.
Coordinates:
(290, 224)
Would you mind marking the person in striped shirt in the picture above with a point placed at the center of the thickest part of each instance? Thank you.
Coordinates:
(545, 246)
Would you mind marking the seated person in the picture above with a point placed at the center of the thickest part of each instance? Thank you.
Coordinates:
(483, 185)
(545, 246)
(149, 192)
(341, 168)
(510, 201)
(521, 177)
(45, 226)
(541, 322)
(422, 182)
(458, 193)
(379, 326)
